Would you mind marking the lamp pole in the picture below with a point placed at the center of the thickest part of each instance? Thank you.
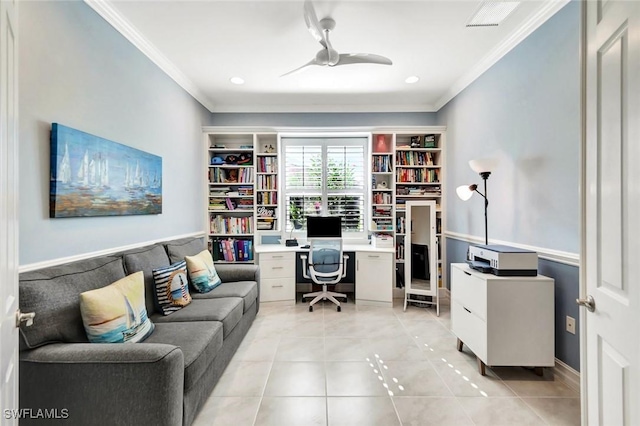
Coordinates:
(485, 176)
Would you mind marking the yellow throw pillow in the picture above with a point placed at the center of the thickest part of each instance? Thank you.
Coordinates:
(116, 313)
(202, 272)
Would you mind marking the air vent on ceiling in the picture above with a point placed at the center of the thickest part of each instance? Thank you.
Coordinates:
(492, 13)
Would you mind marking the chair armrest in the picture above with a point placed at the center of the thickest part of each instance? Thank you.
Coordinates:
(126, 383)
(236, 272)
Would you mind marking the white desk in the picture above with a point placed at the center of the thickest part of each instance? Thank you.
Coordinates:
(374, 273)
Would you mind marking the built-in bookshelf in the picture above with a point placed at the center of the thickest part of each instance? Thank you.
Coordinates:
(230, 196)
(243, 194)
(382, 216)
(267, 183)
(418, 176)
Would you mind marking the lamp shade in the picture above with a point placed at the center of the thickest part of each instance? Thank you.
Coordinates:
(482, 165)
(464, 192)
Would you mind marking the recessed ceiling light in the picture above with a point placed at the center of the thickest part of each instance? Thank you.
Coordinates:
(412, 79)
(492, 13)
(237, 80)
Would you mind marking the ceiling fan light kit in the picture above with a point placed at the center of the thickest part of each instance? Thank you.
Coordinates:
(328, 56)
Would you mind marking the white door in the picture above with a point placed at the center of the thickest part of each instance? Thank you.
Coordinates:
(611, 264)
(8, 211)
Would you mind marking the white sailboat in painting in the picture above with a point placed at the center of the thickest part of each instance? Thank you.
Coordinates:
(99, 172)
(83, 171)
(64, 170)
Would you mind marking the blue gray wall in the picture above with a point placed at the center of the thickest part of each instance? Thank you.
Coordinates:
(302, 119)
(526, 111)
(76, 70)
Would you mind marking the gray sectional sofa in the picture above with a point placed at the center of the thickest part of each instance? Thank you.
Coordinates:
(162, 381)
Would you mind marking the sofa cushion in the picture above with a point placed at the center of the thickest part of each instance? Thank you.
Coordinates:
(202, 272)
(247, 290)
(179, 249)
(54, 295)
(146, 259)
(116, 313)
(228, 310)
(172, 287)
(200, 341)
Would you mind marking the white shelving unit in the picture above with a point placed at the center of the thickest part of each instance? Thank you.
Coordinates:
(230, 195)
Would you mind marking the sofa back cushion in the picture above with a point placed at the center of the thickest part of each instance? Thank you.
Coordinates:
(54, 295)
(179, 249)
(146, 259)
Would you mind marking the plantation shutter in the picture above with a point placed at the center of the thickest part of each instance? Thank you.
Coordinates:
(345, 185)
(325, 177)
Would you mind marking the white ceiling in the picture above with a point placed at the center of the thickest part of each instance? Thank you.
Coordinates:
(202, 44)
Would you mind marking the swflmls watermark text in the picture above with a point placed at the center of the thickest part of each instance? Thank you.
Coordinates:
(36, 413)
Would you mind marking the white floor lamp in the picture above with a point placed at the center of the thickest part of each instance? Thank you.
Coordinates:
(483, 167)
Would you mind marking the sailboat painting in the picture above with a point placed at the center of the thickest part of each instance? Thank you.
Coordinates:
(92, 176)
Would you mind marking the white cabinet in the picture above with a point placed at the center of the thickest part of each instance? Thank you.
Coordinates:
(277, 276)
(374, 272)
(505, 321)
(421, 259)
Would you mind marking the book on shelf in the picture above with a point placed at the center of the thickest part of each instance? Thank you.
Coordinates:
(231, 250)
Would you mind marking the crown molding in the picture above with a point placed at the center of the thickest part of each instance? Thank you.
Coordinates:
(105, 9)
(369, 108)
(547, 11)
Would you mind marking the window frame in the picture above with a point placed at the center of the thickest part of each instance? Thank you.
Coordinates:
(325, 140)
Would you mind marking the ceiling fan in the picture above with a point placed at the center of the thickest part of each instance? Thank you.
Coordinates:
(328, 56)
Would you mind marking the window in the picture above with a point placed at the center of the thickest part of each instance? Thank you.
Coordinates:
(325, 176)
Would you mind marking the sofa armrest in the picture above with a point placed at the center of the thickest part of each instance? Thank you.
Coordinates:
(119, 383)
(236, 272)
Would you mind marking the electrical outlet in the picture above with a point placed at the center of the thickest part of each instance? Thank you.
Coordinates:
(571, 325)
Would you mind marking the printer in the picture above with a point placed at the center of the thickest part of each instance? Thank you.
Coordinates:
(503, 260)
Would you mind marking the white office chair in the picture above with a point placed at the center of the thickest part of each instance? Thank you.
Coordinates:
(327, 266)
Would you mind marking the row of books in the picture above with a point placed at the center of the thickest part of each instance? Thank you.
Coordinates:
(231, 225)
(401, 225)
(231, 250)
(410, 158)
(418, 175)
(384, 211)
(267, 182)
(381, 163)
(232, 175)
(413, 190)
(383, 224)
(381, 198)
(229, 203)
(267, 197)
(399, 251)
(267, 165)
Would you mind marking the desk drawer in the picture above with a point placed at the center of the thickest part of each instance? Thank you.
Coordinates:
(288, 256)
(470, 291)
(279, 268)
(277, 289)
(470, 329)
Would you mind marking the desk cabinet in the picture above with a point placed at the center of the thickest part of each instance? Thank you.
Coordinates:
(277, 277)
(505, 321)
(374, 277)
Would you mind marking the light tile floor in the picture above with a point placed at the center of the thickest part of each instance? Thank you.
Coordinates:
(374, 366)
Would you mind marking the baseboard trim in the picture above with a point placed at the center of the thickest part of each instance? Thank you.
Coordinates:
(567, 375)
(567, 258)
(62, 260)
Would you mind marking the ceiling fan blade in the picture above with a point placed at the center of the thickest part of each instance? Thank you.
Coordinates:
(314, 61)
(363, 58)
(313, 25)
